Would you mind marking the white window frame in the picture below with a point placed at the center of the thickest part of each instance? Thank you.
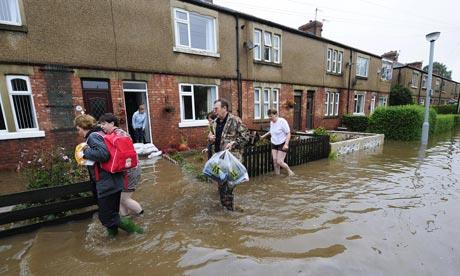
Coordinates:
(387, 70)
(192, 122)
(359, 63)
(339, 62)
(15, 7)
(257, 45)
(373, 99)
(12, 93)
(414, 79)
(265, 101)
(383, 101)
(356, 99)
(276, 49)
(334, 61)
(332, 104)
(424, 78)
(275, 99)
(188, 48)
(329, 60)
(269, 46)
(257, 103)
(4, 118)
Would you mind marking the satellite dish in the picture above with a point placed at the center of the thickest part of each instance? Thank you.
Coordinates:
(249, 45)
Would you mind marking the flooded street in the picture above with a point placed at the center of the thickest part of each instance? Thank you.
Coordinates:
(390, 212)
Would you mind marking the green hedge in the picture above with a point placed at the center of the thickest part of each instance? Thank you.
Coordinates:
(444, 123)
(446, 109)
(400, 122)
(355, 123)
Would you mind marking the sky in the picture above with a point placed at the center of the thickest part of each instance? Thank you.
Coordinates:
(371, 25)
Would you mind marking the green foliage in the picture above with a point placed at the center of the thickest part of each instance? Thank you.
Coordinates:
(400, 122)
(320, 131)
(441, 70)
(47, 168)
(444, 123)
(446, 109)
(355, 123)
(188, 167)
(400, 95)
(332, 155)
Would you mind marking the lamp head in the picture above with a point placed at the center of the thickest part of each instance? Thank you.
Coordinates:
(431, 37)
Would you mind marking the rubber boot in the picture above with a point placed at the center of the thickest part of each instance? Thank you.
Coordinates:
(129, 226)
(112, 232)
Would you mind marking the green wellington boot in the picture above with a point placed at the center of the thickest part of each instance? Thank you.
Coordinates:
(112, 232)
(129, 226)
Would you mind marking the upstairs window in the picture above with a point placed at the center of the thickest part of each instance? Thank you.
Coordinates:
(413, 82)
(195, 31)
(387, 70)
(362, 67)
(267, 47)
(424, 81)
(334, 61)
(257, 44)
(22, 103)
(438, 84)
(276, 48)
(9, 12)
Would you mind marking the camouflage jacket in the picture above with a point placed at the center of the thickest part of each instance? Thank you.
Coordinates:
(234, 131)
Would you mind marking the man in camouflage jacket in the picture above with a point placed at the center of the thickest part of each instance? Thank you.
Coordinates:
(232, 134)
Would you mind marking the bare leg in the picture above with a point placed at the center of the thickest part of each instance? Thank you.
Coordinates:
(275, 161)
(130, 204)
(280, 160)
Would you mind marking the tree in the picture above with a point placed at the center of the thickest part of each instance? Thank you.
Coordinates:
(400, 95)
(441, 70)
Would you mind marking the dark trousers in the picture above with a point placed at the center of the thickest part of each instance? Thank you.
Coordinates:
(139, 134)
(210, 152)
(109, 207)
(226, 195)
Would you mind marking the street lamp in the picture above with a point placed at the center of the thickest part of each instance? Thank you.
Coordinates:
(431, 37)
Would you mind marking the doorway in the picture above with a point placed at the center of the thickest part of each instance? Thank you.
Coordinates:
(310, 106)
(96, 97)
(297, 110)
(136, 94)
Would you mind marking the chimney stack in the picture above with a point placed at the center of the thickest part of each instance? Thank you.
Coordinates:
(313, 27)
(415, 64)
(391, 55)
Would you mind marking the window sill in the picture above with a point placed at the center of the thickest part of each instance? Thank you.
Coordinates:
(334, 74)
(331, 117)
(200, 123)
(13, 28)
(21, 135)
(413, 86)
(195, 52)
(270, 63)
(359, 114)
(361, 77)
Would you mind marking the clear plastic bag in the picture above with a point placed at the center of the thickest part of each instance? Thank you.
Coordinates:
(224, 166)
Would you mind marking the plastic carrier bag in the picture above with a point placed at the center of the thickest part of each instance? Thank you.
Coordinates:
(224, 166)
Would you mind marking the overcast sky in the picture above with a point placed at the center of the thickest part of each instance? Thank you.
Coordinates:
(372, 25)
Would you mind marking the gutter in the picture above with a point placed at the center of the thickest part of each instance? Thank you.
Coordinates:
(349, 79)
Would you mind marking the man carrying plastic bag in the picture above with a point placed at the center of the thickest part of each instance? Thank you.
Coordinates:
(224, 166)
(230, 134)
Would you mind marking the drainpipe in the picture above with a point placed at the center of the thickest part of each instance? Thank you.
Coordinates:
(420, 88)
(458, 99)
(238, 73)
(349, 80)
(440, 91)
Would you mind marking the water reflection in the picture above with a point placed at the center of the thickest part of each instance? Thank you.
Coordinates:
(393, 212)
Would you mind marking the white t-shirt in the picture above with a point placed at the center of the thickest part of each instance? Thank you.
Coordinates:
(279, 131)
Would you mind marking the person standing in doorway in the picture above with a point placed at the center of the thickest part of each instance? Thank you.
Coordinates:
(139, 123)
(280, 136)
(230, 134)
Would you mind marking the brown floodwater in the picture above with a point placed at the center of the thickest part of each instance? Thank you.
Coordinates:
(393, 211)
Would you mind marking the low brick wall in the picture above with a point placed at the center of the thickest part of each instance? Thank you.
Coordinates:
(359, 141)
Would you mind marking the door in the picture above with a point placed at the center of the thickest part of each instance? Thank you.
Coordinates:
(310, 106)
(97, 103)
(136, 94)
(297, 111)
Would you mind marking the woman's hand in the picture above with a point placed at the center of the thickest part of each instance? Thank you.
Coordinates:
(285, 147)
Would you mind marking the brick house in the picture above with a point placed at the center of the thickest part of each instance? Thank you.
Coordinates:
(176, 57)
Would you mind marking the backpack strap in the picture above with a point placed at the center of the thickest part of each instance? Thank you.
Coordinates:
(96, 172)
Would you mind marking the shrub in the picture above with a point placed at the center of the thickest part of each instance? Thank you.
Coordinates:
(400, 122)
(446, 109)
(400, 95)
(49, 168)
(444, 123)
(355, 123)
(320, 131)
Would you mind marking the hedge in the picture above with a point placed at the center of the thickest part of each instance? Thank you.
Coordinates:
(400, 122)
(355, 123)
(444, 123)
(446, 109)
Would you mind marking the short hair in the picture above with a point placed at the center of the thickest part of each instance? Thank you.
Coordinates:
(142, 106)
(223, 103)
(272, 111)
(211, 115)
(109, 118)
(85, 121)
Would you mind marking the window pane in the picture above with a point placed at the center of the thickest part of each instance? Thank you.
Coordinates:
(9, 11)
(257, 41)
(181, 15)
(201, 32)
(331, 104)
(19, 85)
(186, 88)
(24, 111)
(2, 120)
(257, 110)
(135, 85)
(334, 61)
(183, 34)
(276, 41)
(267, 53)
(201, 101)
(268, 39)
(188, 109)
(93, 84)
(326, 107)
(336, 104)
(339, 62)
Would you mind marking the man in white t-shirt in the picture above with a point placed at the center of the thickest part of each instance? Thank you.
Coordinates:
(280, 136)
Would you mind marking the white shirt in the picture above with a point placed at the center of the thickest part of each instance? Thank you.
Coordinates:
(279, 131)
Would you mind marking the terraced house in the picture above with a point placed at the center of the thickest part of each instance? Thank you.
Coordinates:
(177, 57)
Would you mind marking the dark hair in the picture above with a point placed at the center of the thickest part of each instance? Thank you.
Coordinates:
(272, 111)
(223, 103)
(109, 118)
(211, 115)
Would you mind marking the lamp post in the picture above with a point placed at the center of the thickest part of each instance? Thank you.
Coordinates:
(431, 37)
